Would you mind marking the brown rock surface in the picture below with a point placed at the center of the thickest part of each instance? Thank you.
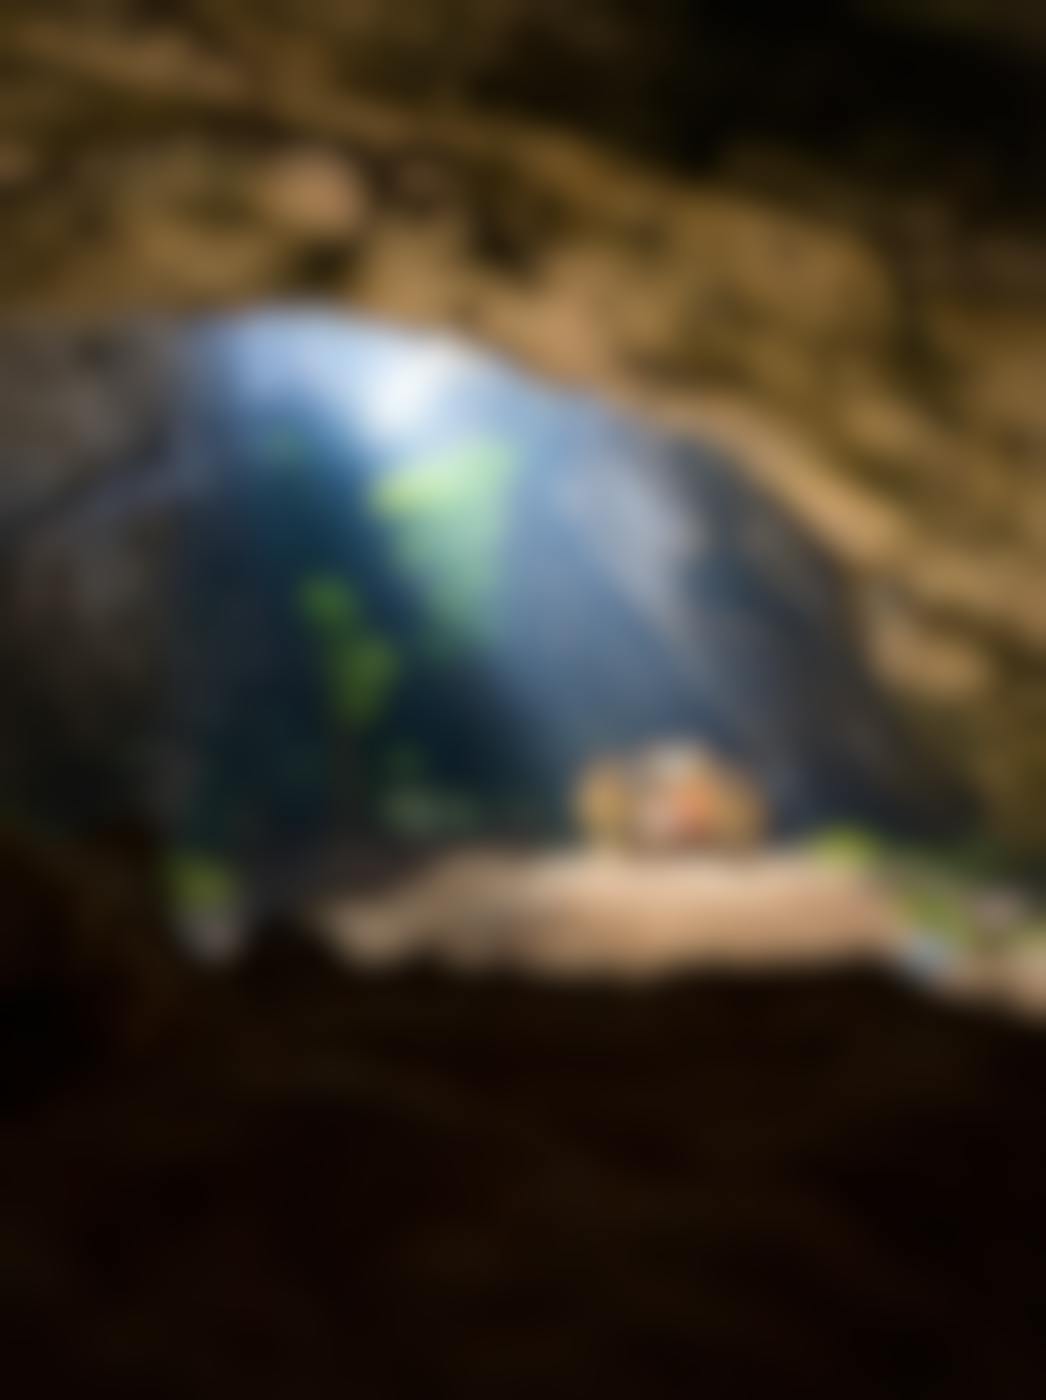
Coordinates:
(861, 316)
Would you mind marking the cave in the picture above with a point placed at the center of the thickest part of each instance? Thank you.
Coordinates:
(766, 286)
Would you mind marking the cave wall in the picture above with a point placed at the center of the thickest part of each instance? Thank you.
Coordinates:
(816, 239)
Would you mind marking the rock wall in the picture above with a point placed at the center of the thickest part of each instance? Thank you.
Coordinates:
(850, 295)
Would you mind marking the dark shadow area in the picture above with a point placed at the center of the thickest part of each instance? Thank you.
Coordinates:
(888, 95)
(419, 1186)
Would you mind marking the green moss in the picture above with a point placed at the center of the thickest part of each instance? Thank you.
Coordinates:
(362, 672)
(360, 669)
(442, 482)
(198, 882)
(935, 905)
(849, 848)
(325, 601)
(446, 516)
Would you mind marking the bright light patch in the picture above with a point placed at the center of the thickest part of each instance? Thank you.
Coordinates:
(412, 386)
(384, 388)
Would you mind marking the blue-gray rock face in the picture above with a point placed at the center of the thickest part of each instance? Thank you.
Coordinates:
(341, 577)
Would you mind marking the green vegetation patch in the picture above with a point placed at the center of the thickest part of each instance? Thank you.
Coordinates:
(199, 883)
(447, 515)
(360, 668)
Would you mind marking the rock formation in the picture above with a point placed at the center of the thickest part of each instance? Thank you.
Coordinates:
(833, 264)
